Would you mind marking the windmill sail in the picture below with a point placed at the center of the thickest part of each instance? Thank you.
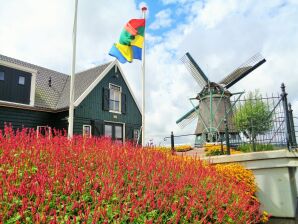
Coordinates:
(243, 70)
(194, 70)
(188, 117)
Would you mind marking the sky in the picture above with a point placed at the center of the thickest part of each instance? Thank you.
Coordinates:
(219, 34)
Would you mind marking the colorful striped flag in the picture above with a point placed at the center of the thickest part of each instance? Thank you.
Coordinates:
(131, 42)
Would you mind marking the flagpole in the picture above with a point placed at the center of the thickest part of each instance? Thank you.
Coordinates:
(72, 76)
(144, 9)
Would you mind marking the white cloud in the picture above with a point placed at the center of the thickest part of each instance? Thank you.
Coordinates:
(219, 45)
(219, 36)
(215, 11)
(41, 31)
(162, 20)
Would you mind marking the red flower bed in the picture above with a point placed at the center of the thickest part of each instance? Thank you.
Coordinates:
(93, 180)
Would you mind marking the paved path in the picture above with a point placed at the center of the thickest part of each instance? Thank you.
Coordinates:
(196, 152)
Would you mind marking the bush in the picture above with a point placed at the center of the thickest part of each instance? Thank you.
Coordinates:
(215, 150)
(87, 180)
(239, 173)
(259, 147)
(178, 148)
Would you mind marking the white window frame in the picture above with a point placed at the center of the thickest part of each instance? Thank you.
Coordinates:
(2, 72)
(90, 128)
(44, 127)
(120, 95)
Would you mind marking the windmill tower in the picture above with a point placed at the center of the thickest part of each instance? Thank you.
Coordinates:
(213, 108)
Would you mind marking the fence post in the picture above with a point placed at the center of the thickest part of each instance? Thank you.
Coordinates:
(172, 143)
(227, 137)
(292, 125)
(287, 120)
(221, 145)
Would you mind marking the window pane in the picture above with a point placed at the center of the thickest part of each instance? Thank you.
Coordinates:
(21, 80)
(135, 134)
(112, 105)
(117, 96)
(117, 88)
(116, 108)
(108, 130)
(111, 94)
(86, 130)
(1, 76)
(118, 132)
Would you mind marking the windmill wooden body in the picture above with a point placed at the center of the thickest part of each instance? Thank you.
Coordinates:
(213, 108)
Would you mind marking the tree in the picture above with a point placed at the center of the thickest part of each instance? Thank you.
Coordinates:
(253, 117)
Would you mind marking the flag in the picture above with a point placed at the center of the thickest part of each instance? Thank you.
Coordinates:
(131, 42)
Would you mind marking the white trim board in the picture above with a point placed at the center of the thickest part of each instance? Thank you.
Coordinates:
(99, 78)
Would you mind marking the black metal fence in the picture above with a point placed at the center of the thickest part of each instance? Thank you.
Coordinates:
(261, 123)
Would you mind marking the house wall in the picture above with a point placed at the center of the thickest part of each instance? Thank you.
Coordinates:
(10, 90)
(91, 108)
(89, 112)
(20, 118)
(23, 118)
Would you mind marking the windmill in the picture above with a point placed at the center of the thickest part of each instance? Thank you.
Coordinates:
(213, 107)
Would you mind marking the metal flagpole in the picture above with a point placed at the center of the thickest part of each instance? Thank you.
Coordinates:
(144, 9)
(72, 76)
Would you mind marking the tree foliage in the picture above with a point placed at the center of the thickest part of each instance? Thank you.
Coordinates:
(254, 116)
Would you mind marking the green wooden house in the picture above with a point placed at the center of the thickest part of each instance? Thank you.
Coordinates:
(36, 97)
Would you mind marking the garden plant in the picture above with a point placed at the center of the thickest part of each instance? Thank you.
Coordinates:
(53, 179)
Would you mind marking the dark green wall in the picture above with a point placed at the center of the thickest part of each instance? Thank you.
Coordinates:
(10, 90)
(90, 111)
(20, 117)
(91, 107)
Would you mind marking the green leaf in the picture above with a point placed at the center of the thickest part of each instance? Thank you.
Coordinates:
(13, 219)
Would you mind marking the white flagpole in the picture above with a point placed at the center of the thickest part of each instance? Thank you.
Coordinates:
(72, 76)
(144, 9)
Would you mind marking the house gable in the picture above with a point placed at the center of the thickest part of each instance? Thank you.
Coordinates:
(91, 107)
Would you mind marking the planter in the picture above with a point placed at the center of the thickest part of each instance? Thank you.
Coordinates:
(276, 178)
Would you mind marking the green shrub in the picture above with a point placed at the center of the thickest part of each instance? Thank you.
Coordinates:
(259, 147)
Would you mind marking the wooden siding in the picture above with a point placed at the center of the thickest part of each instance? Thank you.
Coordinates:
(91, 108)
(10, 90)
(19, 118)
(89, 112)
(23, 118)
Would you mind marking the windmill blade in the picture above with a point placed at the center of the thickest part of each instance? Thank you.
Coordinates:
(243, 70)
(194, 70)
(187, 118)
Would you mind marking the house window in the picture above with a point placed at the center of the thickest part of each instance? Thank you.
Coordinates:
(118, 132)
(21, 80)
(115, 98)
(1, 76)
(108, 130)
(44, 131)
(87, 130)
(136, 134)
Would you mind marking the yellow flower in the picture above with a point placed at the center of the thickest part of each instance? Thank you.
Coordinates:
(238, 172)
